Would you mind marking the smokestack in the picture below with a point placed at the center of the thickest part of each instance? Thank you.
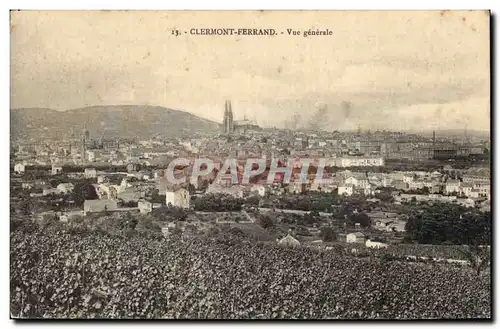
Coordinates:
(433, 138)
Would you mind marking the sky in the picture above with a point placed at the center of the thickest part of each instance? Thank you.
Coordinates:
(396, 70)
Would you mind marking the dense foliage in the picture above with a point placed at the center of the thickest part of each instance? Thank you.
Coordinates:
(97, 275)
(217, 202)
(439, 223)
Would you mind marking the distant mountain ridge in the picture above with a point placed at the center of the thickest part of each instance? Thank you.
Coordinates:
(141, 121)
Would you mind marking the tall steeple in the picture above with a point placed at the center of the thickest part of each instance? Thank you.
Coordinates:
(224, 120)
(228, 118)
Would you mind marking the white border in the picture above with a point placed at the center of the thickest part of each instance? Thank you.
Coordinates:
(179, 5)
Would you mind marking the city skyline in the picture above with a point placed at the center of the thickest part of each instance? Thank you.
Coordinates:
(438, 79)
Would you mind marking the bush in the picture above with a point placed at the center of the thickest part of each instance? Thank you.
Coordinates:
(265, 221)
(328, 234)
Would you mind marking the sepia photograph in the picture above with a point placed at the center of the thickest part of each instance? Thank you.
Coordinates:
(250, 165)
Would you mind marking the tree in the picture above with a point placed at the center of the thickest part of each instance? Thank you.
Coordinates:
(265, 221)
(27, 206)
(361, 218)
(131, 204)
(191, 189)
(156, 197)
(217, 202)
(328, 234)
(83, 191)
(252, 200)
(179, 214)
(478, 256)
(456, 224)
(171, 214)
(385, 195)
(303, 204)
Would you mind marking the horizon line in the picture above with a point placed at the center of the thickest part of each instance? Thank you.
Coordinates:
(267, 126)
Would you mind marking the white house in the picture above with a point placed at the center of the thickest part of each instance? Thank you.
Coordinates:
(106, 191)
(90, 173)
(297, 187)
(375, 244)
(483, 189)
(407, 178)
(347, 189)
(92, 156)
(474, 194)
(358, 181)
(19, 168)
(436, 174)
(351, 180)
(131, 167)
(356, 161)
(357, 237)
(289, 241)
(465, 189)
(259, 189)
(177, 197)
(452, 186)
(145, 207)
(56, 169)
(65, 188)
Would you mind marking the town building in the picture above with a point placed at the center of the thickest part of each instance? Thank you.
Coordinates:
(145, 207)
(177, 197)
(347, 189)
(289, 241)
(359, 161)
(64, 188)
(356, 237)
(375, 244)
(131, 167)
(19, 168)
(452, 186)
(90, 173)
(230, 126)
(56, 169)
(260, 190)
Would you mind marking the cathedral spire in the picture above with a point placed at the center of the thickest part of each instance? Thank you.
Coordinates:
(228, 118)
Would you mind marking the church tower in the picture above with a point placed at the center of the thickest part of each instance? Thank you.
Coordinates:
(228, 118)
(224, 121)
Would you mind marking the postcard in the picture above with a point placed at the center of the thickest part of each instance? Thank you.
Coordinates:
(319, 165)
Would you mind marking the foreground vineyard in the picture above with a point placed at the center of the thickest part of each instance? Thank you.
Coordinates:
(95, 275)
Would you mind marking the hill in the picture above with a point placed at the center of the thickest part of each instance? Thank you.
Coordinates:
(129, 121)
